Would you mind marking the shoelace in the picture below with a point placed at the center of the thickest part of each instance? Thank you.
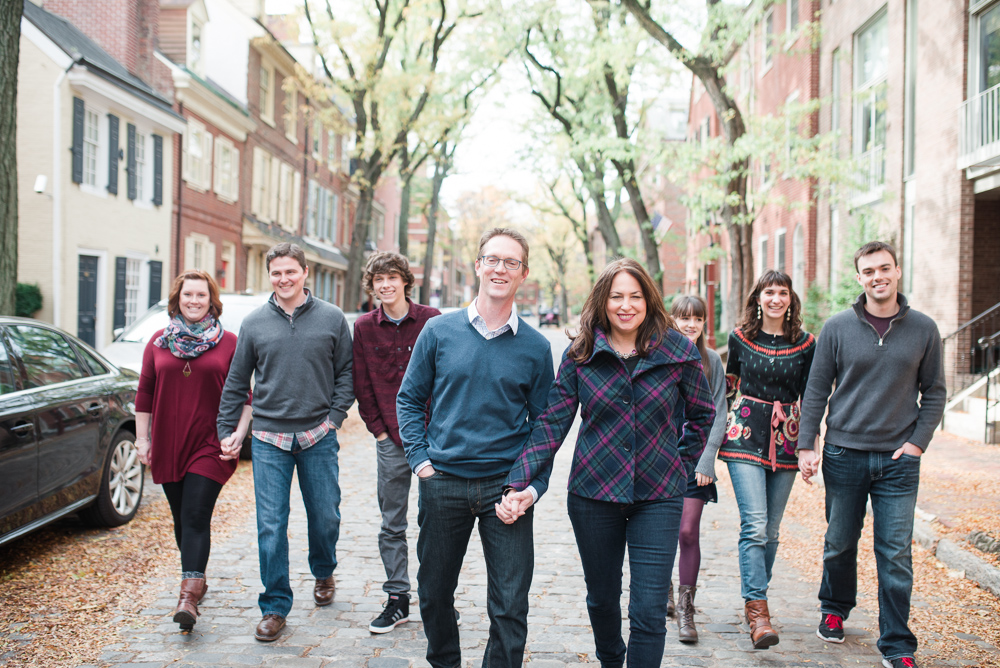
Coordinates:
(835, 622)
(908, 662)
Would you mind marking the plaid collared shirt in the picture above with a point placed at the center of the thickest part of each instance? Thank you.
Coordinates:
(306, 438)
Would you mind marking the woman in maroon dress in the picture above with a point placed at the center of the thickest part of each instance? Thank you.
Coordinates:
(184, 368)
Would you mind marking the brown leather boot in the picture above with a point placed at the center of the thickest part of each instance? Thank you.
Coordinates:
(186, 612)
(759, 619)
(670, 599)
(324, 590)
(686, 632)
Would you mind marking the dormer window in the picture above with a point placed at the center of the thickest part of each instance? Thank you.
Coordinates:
(195, 52)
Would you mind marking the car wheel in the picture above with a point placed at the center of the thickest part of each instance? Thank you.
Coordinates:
(121, 485)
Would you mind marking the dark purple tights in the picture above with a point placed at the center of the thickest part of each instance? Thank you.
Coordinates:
(689, 541)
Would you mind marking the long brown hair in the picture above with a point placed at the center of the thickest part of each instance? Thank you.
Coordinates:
(693, 305)
(595, 311)
(174, 300)
(751, 323)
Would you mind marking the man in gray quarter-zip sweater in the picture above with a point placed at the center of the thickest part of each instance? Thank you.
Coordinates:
(299, 351)
(886, 361)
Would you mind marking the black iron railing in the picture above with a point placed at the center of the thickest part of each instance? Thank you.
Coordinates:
(990, 345)
(965, 361)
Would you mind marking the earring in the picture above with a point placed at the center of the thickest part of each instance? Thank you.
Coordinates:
(759, 314)
(788, 315)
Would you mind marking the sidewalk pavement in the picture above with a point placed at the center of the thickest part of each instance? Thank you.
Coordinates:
(558, 630)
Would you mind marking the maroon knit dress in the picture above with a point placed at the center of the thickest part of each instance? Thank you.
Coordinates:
(185, 407)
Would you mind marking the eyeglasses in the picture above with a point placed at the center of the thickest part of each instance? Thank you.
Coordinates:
(492, 261)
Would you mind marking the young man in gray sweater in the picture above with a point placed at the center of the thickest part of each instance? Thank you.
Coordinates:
(299, 350)
(886, 361)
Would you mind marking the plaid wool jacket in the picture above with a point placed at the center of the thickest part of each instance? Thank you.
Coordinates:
(641, 434)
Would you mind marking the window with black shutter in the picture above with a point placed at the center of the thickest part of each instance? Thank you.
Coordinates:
(130, 167)
(120, 267)
(157, 170)
(77, 140)
(113, 154)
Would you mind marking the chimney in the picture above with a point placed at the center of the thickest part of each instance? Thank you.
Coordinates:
(127, 29)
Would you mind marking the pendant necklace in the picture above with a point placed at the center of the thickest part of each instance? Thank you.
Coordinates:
(187, 369)
(625, 356)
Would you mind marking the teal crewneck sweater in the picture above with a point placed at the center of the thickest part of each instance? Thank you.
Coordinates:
(485, 395)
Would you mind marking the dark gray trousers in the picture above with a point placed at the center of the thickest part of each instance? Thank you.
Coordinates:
(394, 477)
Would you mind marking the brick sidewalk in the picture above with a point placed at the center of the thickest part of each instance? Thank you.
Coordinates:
(559, 634)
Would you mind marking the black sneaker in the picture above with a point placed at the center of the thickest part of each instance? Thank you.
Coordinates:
(831, 628)
(901, 662)
(396, 611)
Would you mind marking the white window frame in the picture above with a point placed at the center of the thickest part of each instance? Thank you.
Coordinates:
(263, 185)
(867, 92)
(91, 146)
(331, 149)
(793, 98)
(346, 148)
(780, 239)
(761, 255)
(791, 6)
(134, 288)
(197, 156)
(199, 254)
(291, 111)
(767, 41)
(977, 10)
(265, 92)
(227, 176)
(100, 185)
(799, 259)
(317, 139)
(143, 167)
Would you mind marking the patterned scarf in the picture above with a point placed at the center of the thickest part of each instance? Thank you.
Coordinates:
(189, 341)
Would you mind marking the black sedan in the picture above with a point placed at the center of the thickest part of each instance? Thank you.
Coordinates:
(67, 431)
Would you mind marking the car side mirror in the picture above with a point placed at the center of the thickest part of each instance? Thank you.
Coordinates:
(117, 332)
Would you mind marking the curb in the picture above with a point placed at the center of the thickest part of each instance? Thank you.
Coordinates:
(954, 557)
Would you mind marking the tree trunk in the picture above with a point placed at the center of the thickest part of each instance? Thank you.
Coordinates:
(441, 166)
(10, 43)
(406, 176)
(605, 221)
(356, 255)
(626, 171)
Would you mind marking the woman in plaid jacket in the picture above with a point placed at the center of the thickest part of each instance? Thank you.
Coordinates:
(632, 374)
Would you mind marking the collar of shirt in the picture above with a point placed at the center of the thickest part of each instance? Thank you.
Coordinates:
(383, 317)
(473, 313)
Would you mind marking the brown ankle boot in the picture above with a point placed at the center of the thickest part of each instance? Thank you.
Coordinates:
(186, 612)
(670, 599)
(759, 619)
(686, 632)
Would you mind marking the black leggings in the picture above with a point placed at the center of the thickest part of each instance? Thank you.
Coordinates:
(192, 501)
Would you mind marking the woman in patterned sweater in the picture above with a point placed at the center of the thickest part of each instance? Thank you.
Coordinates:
(769, 360)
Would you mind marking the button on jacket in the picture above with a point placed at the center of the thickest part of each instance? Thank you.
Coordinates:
(382, 352)
(631, 446)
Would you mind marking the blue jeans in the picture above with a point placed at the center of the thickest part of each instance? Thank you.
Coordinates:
(649, 530)
(319, 475)
(761, 495)
(448, 507)
(851, 476)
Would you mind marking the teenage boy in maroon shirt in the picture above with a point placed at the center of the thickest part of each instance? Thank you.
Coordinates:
(383, 341)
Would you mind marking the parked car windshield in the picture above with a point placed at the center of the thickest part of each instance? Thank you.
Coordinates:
(155, 319)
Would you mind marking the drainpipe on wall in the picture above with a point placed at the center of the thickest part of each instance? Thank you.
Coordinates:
(179, 159)
(57, 174)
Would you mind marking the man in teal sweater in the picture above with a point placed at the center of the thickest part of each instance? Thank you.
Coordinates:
(487, 374)
(884, 357)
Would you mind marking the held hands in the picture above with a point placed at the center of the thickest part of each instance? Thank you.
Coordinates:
(142, 446)
(908, 449)
(702, 479)
(808, 464)
(231, 446)
(514, 505)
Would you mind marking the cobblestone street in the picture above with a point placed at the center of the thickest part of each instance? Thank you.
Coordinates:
(558, 630)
